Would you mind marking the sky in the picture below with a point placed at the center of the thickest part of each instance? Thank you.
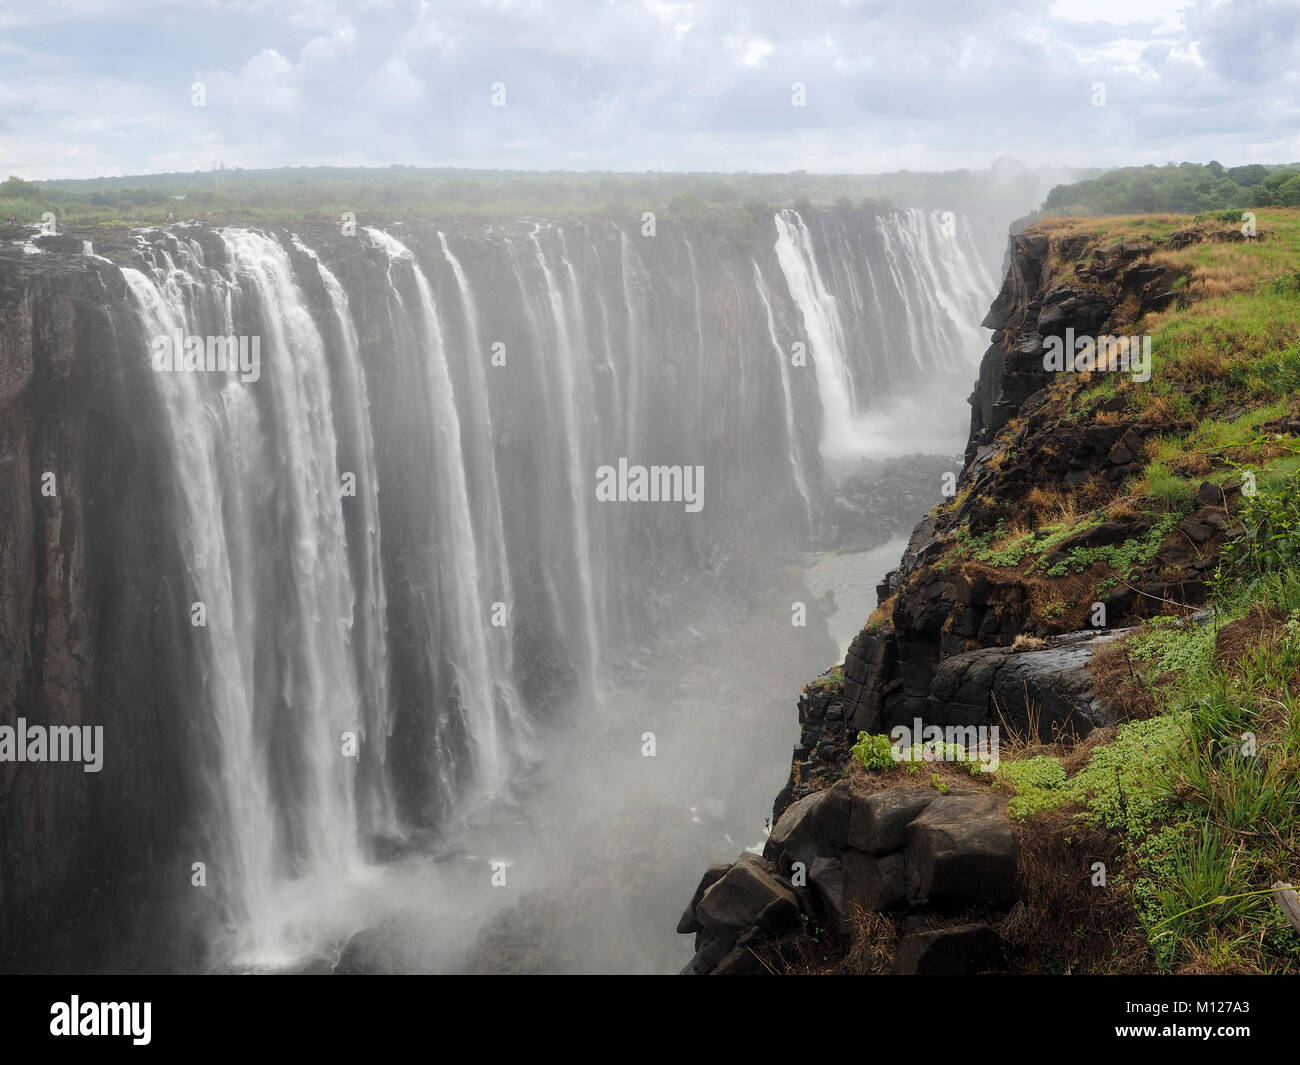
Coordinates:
(96, 88)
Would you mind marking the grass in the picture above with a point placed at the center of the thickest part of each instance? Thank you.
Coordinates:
(1192, 801)
(1202, 798)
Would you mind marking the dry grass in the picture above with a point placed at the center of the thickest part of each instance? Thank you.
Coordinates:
(1062, 923)
(873, 942)
(1205, 365)
(1093, 494)
(883, 612)
(1239, 638)
(1111, 228)
(1158, 407)
(1125, 508)
(1051, 505)
(1113, 672)
(868, 949)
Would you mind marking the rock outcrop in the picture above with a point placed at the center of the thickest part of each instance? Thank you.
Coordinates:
(961, 641)
(928, 858)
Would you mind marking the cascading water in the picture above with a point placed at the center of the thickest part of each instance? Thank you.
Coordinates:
(791, 428)
(892, 314)
(258, 486)
(451, 607)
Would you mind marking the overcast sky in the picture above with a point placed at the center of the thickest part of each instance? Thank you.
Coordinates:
(102, 87)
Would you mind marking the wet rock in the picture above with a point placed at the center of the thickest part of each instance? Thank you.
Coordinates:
(1194, 530)
(815, 826)
(874, 882)
(712, 875)
(781, 915)
(962, 853)
(741, 959)
(878, 822)
(741, 895)
(369, 952)
(827, 878)
(1054, 685)
(959, 950)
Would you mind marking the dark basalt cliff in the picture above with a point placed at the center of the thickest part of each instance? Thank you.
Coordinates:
(130, 496)
(943, 647)
(79, 856)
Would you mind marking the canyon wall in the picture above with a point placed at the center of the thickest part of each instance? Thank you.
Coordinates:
(343, 597)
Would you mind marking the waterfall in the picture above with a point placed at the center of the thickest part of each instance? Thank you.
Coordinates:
(568, 342)
(496, 584)
(477, 709)
(259, 480)
(841, 434)
(245, 842)
(373, 612)
(791, 427)
(891, 303)
(397, 543)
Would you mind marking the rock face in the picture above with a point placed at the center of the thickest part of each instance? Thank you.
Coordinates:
(86, 859)
(735, 911)
(997, 685)
(944, 653)
(905, 850)
(961, 851)
(944, 647)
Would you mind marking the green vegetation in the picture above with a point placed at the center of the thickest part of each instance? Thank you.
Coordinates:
(1123, 559)
(832, 680)
(874, 752)
(1184, 188)
(1204, 795)
(1122, 787)
(1194, 798)
(1271, 545)
(733, 200)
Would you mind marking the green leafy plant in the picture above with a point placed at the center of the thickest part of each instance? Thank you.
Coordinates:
(874, 752)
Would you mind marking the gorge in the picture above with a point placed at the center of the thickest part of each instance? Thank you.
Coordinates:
(384, 685)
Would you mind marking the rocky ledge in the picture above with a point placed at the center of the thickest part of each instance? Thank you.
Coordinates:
(943, 864)
(969, 636)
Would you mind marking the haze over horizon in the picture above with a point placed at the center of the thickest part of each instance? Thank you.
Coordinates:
(106, 87)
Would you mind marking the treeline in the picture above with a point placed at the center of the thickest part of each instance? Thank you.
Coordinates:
(1183, 188)
(400, 191)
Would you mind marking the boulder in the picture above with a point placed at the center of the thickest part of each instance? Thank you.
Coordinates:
(817, 826)
(878, 822)
(827, 878)
(958, 950)
(741, 895)
(873, 882)
(712, 875)
(741, 959)
(779, 916)
(1053, 686)
(962, 853)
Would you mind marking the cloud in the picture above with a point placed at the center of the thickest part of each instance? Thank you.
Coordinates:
(394, 83)
(651, 84)
(754, 52)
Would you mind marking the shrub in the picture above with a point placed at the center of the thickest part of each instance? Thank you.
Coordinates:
(874, 752)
